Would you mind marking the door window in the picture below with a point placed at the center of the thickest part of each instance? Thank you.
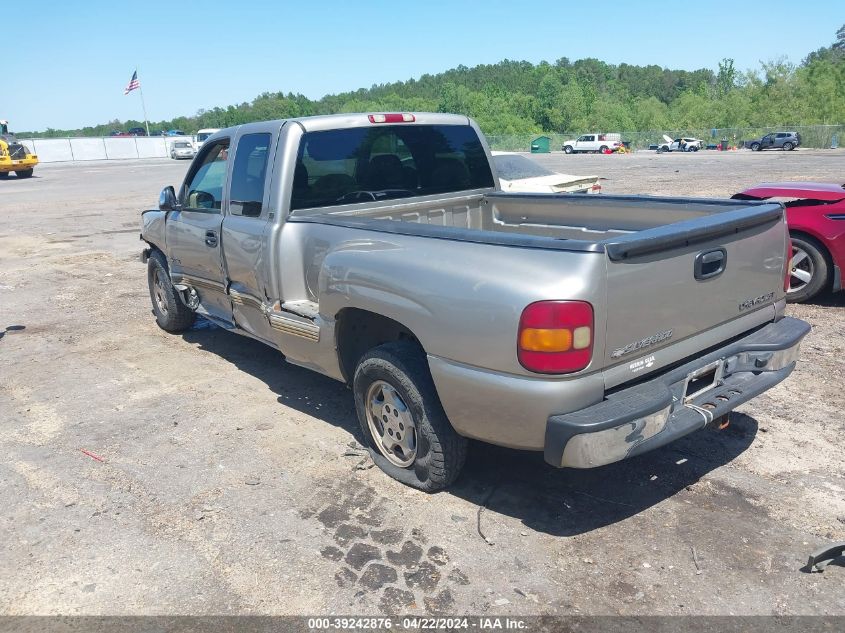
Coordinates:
(204, 188)
(248, 175)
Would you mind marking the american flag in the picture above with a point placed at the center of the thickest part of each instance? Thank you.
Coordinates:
(133, 84)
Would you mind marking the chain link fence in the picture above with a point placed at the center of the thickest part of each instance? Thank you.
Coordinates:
(816, 136)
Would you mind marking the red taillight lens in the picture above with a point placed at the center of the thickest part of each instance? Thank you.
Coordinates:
(392, 118)
(787, 265)
(556, 337)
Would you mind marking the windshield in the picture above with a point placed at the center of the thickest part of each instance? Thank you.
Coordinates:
(385, 162)
(515, 167)
(203, 135)
(181, 145)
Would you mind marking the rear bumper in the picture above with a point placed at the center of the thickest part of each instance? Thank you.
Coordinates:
(23, 164)
(651, 414)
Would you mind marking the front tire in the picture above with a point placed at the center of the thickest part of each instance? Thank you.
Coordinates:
(809, 270)
(407, 432)
(24, 173)
(755, 147)
(172, 315)
(567, 149)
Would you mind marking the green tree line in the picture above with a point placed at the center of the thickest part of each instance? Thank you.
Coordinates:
(518, 97)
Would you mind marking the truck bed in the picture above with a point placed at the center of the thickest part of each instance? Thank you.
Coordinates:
(622, 225)
(655, 291)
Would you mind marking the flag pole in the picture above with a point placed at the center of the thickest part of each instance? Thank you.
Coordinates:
(143, 105)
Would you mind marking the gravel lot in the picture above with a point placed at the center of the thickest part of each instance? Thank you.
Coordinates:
(145, 473)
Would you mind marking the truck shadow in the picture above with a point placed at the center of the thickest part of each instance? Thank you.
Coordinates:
(566, 502)
(513, 483)
(298, 388)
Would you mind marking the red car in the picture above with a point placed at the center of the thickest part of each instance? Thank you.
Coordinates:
(815, 213)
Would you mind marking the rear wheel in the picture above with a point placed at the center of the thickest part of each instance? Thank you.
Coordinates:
(603, 149)
(25, 173)
(171, 313)
(808, 269)
(755, 147)
(567, 149)
(787, 147)
(408, 434)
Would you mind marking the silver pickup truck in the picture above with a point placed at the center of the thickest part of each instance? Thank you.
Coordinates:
(378, 250)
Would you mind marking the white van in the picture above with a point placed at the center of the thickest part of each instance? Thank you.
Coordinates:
(204, 134)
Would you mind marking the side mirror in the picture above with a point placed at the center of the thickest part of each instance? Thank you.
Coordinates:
(167, 199)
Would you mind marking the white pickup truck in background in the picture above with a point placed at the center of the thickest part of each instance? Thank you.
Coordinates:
(595, 142)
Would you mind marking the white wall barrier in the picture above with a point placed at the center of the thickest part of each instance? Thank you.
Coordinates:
(54, 150)
(83, 148)
(152, 147)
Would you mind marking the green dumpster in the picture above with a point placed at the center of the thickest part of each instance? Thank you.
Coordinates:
(540, 145)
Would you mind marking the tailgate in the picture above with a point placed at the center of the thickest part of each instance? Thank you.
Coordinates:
(671, 282)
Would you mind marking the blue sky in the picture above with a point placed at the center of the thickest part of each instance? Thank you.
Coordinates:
(71, 60)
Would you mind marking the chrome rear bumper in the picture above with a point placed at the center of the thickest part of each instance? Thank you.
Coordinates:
(648, 415)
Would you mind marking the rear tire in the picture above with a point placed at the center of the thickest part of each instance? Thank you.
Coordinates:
(788, 147)
(567, 149)
(809, 269)
(25, 173)
(755, 147)
(394, 397)
(172, 315)
(602, 149)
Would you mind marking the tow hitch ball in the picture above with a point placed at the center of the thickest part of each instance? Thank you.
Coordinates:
(721, 423)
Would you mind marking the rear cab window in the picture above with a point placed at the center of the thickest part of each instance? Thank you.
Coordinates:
(352, 165)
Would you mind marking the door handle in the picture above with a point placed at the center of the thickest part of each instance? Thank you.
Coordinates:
(709, 264)
(211, 238)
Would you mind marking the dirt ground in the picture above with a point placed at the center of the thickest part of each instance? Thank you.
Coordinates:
(145, 473)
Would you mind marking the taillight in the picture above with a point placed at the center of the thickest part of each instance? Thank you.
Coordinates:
(787, 265)
(391, 118)
(556, 337)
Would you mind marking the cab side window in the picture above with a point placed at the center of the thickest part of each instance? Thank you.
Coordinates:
(204, 190)
(248, 175)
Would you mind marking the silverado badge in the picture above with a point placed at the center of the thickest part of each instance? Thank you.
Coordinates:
(646, 342)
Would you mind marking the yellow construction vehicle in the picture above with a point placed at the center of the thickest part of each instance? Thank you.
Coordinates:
(14, 156)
